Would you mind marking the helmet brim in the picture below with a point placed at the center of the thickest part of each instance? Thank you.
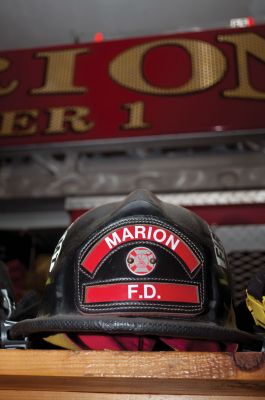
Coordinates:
(135, 326)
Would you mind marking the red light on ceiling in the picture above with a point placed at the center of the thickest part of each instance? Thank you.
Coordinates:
(242, 22)
(98, 37)
(251, 21)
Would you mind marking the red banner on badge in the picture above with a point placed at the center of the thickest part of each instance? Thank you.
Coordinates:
(139, 291)
(131, 233)
(146, 87)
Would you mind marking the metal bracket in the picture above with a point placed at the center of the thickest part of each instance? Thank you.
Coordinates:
(6, 342)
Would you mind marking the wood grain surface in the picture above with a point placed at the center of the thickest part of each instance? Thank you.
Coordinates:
(124, 372)
(36, 395)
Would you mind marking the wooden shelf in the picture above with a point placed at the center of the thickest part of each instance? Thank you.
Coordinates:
(107, 375)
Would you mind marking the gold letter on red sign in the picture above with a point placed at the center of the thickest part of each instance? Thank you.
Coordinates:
(246, 44)
(60, 71)
(75, 116)
(4, 64)
(136, 116)
(19, 122)
(208, 67)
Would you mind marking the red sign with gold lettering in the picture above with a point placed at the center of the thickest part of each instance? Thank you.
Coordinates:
(165, 85)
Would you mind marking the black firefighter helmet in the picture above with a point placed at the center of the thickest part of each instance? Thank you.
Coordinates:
(138, 267)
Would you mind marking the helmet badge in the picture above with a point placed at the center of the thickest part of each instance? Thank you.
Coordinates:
(141, 261)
